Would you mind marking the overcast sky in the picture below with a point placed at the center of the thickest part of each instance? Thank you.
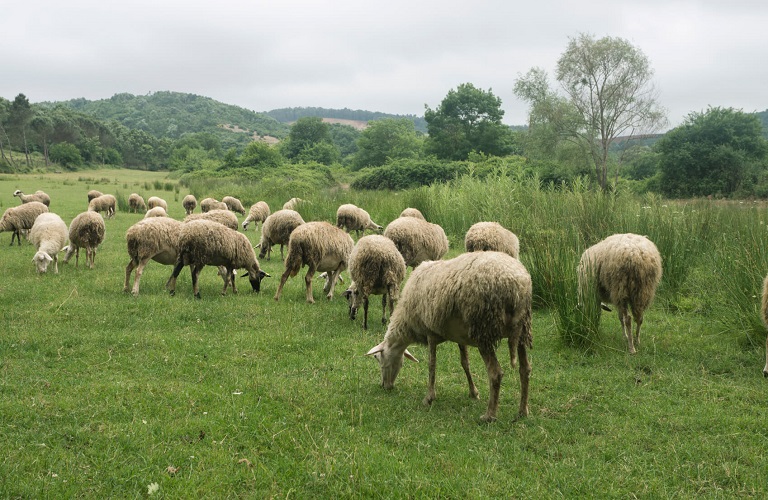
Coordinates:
(394, 56)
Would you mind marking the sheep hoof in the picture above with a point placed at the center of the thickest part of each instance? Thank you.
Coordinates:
(197, 295)
(428, 400)
(172, 292)
(765, 373)
(487, 419)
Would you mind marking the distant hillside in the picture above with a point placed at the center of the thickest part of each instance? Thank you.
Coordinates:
(289, 115)
(172, 114)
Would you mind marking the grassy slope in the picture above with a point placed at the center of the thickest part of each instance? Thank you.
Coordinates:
(100, 393)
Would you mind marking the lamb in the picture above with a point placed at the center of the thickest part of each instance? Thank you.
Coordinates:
(104, 203)
(40, 196)
(93, 194)
(320, 246)
(277, 229)
(136, 203)
(233, 204)
(764, 315)
(376, 268)
(258, 212)
(353, 218)
(412, 212)
(417, 240)
(624, 270)
(484, 236)
(155, 201)
(475, 299)
(155, 238)
(224, 217)
(85, 231)
(189, 203)
(205, 242)
(48, 234)
(156, 212)
(293, 204)
(21, 218)
(212, 204)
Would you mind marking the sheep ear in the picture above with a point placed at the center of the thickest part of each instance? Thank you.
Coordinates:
(263, 275)
(347, 293)
(375, 350)
(245, 275)
(410, 356)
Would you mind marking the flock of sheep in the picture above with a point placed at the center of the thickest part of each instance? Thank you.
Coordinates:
(476, 299)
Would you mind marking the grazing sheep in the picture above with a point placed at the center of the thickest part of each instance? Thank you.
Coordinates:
(36, 196)
(258, 213)
(320, 246)
(353, 218)
(189, 203)
(155, 201)
(764, 315)
(417, 240)
(156, 238)
(156, 212)
(223, 217)
(412, 212)
(624, 270)
(85, 231)
(104, 203)
(293, 204)
(21, 218)
(212, 204)
(48, 234)
(205, 242)
(376, 268)
(233, 204)
(484, 236)
(136, 203)
(93, 194)
(277, 229)
(476, 299)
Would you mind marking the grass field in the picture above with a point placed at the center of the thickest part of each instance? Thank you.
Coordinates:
(107, 395)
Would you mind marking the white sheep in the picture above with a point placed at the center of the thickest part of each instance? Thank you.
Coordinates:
(234, 204)
(40, 196)
(417, 240)
(156, 212)
(21, 218)
(85, 231)
(93, 194)
(764, 317)
(156, 201)
(156, 238)
(189, 203)
(277, 229)
(212, 204)
(412, 212)
(293, 204)
(224, 217)
(136, 203)
(321, 247)
(484, 236)
(205, 242)
(376, 268)
(48, 234)
(104, 203)
(623, 270)
(258, 212)
(353, 218)
(476, 299)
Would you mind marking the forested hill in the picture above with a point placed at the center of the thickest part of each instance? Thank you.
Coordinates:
(288, 115)
(172, 114)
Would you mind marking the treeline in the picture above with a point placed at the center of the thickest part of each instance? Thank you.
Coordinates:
(289, 115)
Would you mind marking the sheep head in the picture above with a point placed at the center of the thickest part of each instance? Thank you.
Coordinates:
(255, 279)
(390, 360)
(41, 261)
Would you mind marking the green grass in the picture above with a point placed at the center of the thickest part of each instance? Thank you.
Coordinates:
(101, 393)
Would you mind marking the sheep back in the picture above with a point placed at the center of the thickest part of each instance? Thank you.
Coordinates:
(318, 243)
(207, 242)
(48, 234)
(234, 204)
(22, 217)
(277, 229)
(258, 212)
(417, 240)
(223, 217)
(39, 196)
(189, 203)
(412, 212)
(354, 218)
(485, 236)
(376, 266)
(93, 194)
(155, 201)
(136, 203)
(156, 212)
(156, 238)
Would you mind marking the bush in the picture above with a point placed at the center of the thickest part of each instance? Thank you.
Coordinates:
(65, 154)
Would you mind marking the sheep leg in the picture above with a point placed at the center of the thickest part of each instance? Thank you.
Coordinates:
(525, 376)
(308, 282)
(77, 257)
(765, 370)
(171, 283)
(365, 312)
(231, 275)
(432, 342)
(128, 270)
(330, 285)
(464, 355)
(195, 270)
(495, 375)
(638, 324)
(55, 263)
(626, 326)
(137, 278)
(384, 309)
(283, 279)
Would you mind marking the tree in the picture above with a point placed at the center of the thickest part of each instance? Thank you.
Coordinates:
(712, 153)
(607, 93)
(21, 115)
(310, 140)
(468, 119)
(259, 154)
(386, 139)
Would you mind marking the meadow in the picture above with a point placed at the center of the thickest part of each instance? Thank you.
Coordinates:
(103, 394)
